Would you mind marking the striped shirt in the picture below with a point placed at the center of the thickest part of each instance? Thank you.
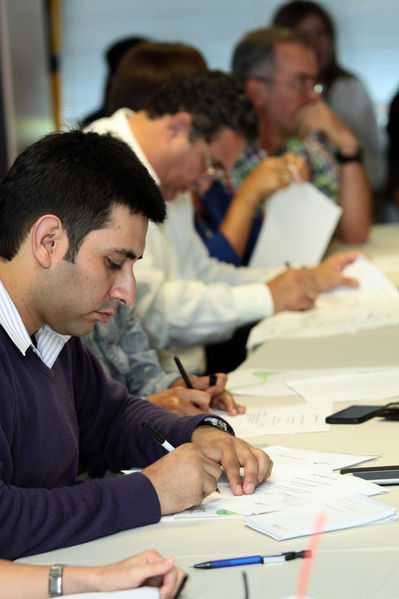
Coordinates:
(49, 343)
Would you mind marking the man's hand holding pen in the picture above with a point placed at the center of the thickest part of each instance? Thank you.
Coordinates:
(219, 398)
(183, 477)
(214, 385)
(232, 454)
(187, 474)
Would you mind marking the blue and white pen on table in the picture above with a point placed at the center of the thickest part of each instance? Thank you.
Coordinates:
(157, 437)
(254, 559)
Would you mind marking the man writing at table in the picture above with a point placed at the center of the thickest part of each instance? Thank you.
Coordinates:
(186, 301)
(74, 211)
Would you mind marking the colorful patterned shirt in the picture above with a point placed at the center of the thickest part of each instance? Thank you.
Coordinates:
(324, 170)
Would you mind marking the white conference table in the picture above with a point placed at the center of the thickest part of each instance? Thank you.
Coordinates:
(358, 563)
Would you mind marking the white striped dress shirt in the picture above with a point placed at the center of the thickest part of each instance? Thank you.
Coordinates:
(49, 343)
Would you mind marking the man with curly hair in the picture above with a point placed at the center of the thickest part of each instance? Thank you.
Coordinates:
(191, 130)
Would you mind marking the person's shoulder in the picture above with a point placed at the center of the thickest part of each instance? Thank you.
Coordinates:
(348, 86)
(110, 123)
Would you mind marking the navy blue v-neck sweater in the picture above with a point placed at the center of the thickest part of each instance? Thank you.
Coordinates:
(54, 421)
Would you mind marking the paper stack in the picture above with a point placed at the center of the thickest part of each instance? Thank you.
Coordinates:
(341, 512)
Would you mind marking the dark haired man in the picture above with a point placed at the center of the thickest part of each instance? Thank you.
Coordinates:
(74, 211)
(192, 129)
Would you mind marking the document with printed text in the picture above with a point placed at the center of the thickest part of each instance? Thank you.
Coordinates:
(296, 480)
(280, 420)
(375, 303)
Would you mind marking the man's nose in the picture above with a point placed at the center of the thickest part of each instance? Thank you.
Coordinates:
(312, 95)
(124, 291)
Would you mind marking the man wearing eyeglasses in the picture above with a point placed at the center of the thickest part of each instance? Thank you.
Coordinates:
(279, 70)
(190, 129)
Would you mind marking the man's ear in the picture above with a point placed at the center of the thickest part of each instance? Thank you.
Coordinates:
(49, 240)
(180, 122)
(257, 91)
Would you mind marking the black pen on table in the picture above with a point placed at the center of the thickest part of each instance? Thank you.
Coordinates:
(161, 440)
(183, 373)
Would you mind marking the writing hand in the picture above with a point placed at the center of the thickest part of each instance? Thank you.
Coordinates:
(220, 399)
(294, 289)
(183, 477)
(182, 401)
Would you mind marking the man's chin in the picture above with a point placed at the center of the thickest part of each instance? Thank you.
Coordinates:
(81, 329)
(170, 193)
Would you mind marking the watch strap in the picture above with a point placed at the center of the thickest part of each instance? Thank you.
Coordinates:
(344, 158)
(219, 423)
(55, 580)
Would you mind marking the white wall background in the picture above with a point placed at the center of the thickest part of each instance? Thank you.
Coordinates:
(368, 38)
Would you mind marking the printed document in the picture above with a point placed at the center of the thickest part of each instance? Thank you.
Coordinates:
(293, 457)
(296, 480)
(375, 303)
(302, 418)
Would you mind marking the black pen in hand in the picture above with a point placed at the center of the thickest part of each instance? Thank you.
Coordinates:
(157, 437)
(183, 373)
(161, 440)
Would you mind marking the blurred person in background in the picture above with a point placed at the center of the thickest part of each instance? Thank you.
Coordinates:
(280, 72)
(113, 56)
(344, 93)
(122, 345)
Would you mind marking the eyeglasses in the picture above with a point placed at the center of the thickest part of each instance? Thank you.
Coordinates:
(214, 168)
(302, 85)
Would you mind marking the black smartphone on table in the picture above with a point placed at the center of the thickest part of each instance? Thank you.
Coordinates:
(354, 414)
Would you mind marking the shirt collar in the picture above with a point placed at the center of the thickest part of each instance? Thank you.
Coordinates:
(49, 343)
(123, 130)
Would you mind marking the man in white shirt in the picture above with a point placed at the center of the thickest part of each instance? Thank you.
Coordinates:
(191, 129)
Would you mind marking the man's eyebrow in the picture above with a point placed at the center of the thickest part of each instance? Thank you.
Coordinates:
(125, 253)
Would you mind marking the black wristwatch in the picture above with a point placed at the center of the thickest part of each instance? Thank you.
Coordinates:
(219, 423)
